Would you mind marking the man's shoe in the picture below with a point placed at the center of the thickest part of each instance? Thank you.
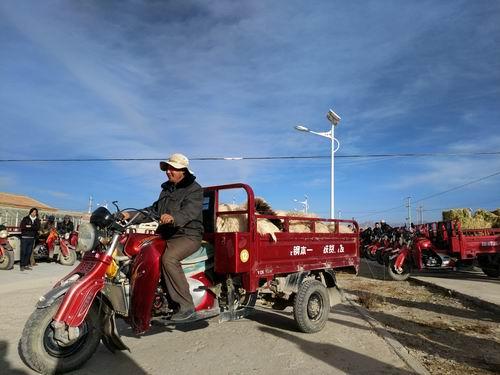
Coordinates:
(28, 268)
(22, 268)
(182, 316)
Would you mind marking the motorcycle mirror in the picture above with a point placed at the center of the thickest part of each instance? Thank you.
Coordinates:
(115, 203)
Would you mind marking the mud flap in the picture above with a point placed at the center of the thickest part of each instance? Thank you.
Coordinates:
(110, 336)
(241, 313)
(238, 313)
(335, 296)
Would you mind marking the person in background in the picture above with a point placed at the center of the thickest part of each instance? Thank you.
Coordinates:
(66, 226)
(29, 231)
(45, 227)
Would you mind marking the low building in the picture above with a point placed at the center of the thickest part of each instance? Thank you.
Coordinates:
(13, 207)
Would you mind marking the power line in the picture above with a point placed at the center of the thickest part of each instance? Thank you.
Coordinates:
(290, 157)
(435, 195)
(459, 186)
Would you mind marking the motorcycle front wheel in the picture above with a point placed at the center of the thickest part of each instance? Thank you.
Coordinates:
(68, 260)
(44, 354)
(7, 260)
(398, 274)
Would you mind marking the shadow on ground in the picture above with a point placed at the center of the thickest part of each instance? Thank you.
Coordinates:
(336, 356)
(5, 367)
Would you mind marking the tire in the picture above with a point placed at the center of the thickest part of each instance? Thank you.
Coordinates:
(370, 255)
(395, 274)
(491, 271)
(7, 260)
(43, 354)
(68, 260)
(311, 306)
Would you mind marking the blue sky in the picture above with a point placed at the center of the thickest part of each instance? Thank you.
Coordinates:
(134, 79)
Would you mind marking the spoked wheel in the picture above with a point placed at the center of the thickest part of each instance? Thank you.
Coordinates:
(68, 260)
(311, 306)
(398, 274)
(44, 353)
(6, 260)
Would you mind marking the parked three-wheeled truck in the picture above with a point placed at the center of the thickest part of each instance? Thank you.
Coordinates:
(119, 276)
(444, 245)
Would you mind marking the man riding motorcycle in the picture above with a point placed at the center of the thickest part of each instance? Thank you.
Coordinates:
(180, 208)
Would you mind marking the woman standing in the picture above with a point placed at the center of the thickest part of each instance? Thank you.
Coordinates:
(29, 230)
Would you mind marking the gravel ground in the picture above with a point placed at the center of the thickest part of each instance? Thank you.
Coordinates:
(447, 335)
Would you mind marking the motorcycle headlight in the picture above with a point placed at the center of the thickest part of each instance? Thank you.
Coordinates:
(101, 217)
(4, 233)
(87, 237)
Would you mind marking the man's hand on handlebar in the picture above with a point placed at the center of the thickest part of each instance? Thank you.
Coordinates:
(125, 215)
(130, 216)
(166, 219)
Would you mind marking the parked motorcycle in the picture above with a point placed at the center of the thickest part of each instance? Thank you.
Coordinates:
(420, 254)
(56, 248)
(6, 250)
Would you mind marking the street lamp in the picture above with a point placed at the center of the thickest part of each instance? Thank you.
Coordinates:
(334, 119)
(305, 203)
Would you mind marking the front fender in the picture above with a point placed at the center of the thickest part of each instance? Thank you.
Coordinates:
(77, 301)
(81, 293)
(51, 296)
(400, 258)
(5, 247)
(145, 275)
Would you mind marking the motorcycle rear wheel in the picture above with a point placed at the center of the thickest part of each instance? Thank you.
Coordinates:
(7, 260)
(41, 352)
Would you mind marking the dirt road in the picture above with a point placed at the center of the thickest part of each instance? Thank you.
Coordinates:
(266, 343)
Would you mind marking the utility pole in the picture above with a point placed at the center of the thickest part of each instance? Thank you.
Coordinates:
(408, 205)
(420, 216)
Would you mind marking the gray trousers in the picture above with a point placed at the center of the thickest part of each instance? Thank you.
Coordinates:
(177, 249)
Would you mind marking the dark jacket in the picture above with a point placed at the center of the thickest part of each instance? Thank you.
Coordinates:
(184, 202)
(29, 228)
(65, 227)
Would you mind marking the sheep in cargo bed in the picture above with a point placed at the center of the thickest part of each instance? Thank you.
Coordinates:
(238, 222)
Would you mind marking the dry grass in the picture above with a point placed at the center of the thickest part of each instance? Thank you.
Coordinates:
(369, 300)
(447, 335)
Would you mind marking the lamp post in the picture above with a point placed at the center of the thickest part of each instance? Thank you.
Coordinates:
(305, 203)
(334, 119)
